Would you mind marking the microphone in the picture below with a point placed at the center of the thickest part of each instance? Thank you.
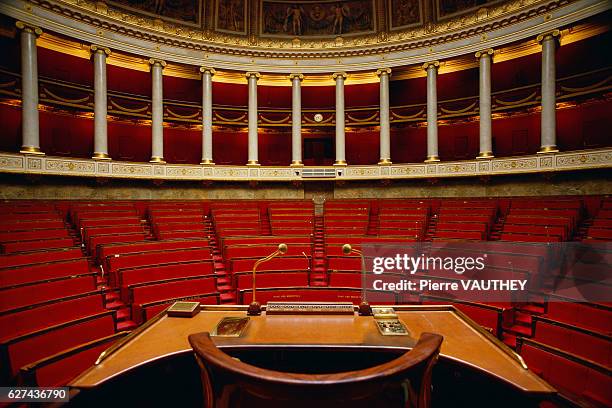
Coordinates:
(255, 306)
(364, 306)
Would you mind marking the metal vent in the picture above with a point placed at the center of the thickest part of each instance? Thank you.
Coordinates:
(318, 172)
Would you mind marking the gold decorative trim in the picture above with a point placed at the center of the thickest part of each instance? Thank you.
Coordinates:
(340, 163)
(432, 159)
(336, 75)
(157, 159)
(297, 163)
(31, 150)
(250, 74)
(210, 70)
(97, 48)
(298, 76)
(485, 155)
(253, 163)
(548, 149)
(435, 64)
(155, 61)
(207, 162)
(100, 156)
(384, 162)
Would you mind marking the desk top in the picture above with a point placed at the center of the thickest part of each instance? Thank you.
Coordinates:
(464, 341)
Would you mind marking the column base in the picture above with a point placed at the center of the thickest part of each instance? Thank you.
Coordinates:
(297, 163)
(31, 150)
(157, 159)
(384, 162)
(548, 149)
(100, 156)
(485, 155)
(432, 159)
(253, 163)
(207, 162)
(340, 163)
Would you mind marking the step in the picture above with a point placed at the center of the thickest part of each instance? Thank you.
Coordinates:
(224, 288)
(126, 325)
(318, 283)
(223, 281)
(520, 330)
(123, 314)
(532, 308)
(111, 296)
(227, 297)
(523, 318)
(115, 305)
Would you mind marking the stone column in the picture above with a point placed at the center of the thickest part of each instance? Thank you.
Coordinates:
(486, 145)
(207, 150)
(252, 78)
(296, 119)
(100, 103)
(339, 77)
(548, 132)
(432, 111)
(385, 124)
(30, 136)
(157, 110)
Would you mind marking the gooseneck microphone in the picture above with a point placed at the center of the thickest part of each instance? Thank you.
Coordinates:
(255, 306)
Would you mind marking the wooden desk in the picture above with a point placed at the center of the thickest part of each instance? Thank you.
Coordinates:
(464, 343)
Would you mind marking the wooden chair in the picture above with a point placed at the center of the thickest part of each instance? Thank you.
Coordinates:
(404, 381)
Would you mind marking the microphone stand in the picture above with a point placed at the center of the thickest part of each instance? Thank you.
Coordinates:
(364, 307)
(255, 306)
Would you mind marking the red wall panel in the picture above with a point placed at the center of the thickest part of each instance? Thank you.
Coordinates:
(230, 147)
(11, 55)
(65, 67)
(516, 72)
(182, 89)
(128, 80)
(10, 136)
(275, 148)
(129, 141)
(408, 145)
(408, 91)
(363, 147)
(362, 95)
(274, 96)
(183, 146)
(323, 97)
(458, 142)
(230, 94)
(517, 135)
(457, 84)
(66, 135)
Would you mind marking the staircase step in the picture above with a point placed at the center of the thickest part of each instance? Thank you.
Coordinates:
(126, 325)
(227, 297)
(111, 296)
(115, 305)
(520, 330)
(123, 314)
(535, 309)
(224, 288)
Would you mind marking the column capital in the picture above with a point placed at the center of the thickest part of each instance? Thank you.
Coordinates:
(155, 61)
(210, 70)
(551, 34)
(93, 48)
(28, 27)
(434, 64)
(381, 71)
(484, 53)
(335, 75)
(250, 74)
(298, 76)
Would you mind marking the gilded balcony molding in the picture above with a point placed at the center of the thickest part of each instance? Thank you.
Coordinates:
(88, 22)
(14, 163)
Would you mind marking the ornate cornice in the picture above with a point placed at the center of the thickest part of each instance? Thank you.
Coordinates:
(59, 166)
(506, 23)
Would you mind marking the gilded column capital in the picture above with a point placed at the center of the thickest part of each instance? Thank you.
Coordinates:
(381, 71)
(335, 75)
(155, 61)
(555, 34)
(298, 76)
(93, 48)
(434, 64)
(250, 74)
(486, 52)
(210, 70)
(28, 27)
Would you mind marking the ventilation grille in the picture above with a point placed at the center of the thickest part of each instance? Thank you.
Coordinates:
(318, 172)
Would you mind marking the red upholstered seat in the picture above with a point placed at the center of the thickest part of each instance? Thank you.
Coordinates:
(29, 319)
(14, 247)
(36, 257)
(34, 346)
(172, 288)
(25, 295)
(33, 235)
(41, 272)
(286, 263)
